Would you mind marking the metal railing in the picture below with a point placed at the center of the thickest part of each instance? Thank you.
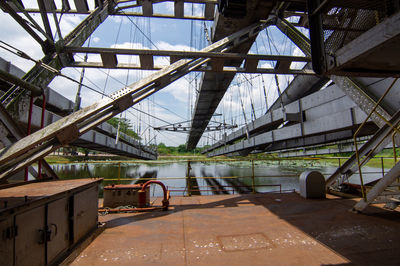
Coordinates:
(224, 187)
(367, 156)
(216, 189)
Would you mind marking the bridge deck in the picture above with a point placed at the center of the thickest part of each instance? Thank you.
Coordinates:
(214, 85)
(252, 229)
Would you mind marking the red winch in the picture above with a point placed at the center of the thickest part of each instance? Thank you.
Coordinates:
(136, 196)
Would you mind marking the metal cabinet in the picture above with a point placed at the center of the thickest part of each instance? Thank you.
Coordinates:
(41, 222)
(30, 239)
(58, 226)
(7, 232)
(85, 212)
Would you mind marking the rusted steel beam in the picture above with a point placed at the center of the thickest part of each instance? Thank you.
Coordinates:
(36, 91)
(45, 19)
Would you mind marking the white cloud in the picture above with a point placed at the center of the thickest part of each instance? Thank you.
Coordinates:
(68, 23)
(174, 47)
(297, 65)
(167, 7)
(14, 35)
(96, 39)
(178, 89)
(191, 9)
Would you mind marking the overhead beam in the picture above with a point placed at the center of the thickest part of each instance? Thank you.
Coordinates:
(184, 54)
(45, 19)
(179, 9)
(282, 66)
(146, 62)
(129, 14)
(109, 60)
(209, 11)
(217, 68)
(214, 2)
(81, 6)
(251, 64)
(147, 8)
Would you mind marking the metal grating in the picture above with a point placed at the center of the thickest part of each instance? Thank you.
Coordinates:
(343, 21)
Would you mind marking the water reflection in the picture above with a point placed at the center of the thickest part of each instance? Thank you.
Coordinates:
(227, 177)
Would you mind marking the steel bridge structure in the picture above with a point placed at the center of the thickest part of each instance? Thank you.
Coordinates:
(347, 89)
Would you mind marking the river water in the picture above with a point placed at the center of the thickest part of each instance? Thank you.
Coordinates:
(224, 177)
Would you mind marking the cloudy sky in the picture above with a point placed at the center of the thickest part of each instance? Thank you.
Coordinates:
(174, 103)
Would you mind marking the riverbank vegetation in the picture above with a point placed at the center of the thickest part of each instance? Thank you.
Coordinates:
(180, 153)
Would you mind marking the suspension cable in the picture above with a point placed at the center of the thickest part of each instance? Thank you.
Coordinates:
(251, 98)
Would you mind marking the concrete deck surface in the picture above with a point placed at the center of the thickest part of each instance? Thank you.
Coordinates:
(256, 229)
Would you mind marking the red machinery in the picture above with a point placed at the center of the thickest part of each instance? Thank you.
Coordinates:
(136, 195)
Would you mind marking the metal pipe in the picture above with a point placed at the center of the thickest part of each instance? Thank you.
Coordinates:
(119, 172)
(322, 5)
(28, 130)
(395, 153)
(165, 201)
(105, 210)
(252, 176)
(188, 193)
(41, 126)
(394, 147)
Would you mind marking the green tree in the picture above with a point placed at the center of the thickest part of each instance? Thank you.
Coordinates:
(182, 148)
(125, 126)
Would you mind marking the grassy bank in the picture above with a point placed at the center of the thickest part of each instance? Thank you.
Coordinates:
(388, 162)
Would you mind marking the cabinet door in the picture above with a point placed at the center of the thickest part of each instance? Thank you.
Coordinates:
(29, 242)
(7, 231)
(57, 222)
(85, 212)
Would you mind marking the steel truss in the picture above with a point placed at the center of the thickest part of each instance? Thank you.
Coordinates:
(44, 141)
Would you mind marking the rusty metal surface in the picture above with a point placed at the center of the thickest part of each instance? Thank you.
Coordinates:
(6, 244)
(57, 220)
(32, 193)
(120, 187)
(39, 221)
(124, 195)
(85, 212)
(30, 239)
(252, 229)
